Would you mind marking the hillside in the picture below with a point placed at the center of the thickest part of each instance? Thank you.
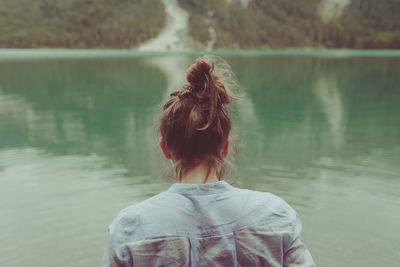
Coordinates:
(292, 24)
(229, 24)
(79, 23)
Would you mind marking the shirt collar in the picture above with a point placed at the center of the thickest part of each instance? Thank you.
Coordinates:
(200, 189)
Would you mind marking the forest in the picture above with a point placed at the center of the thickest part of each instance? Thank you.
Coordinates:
(79, 23)
(362, 24)
(259, 24)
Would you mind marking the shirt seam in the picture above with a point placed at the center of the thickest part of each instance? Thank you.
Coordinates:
(201, 235)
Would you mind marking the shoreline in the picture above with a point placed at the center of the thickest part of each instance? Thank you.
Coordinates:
(62, 53)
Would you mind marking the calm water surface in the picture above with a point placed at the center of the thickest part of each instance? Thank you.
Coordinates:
(78, 143)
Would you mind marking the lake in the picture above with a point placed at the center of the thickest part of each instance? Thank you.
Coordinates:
(78, 142)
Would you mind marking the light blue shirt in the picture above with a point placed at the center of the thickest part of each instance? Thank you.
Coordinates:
(211, 224)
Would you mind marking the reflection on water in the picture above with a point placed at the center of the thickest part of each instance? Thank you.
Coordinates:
(174, 71)
(78, 143)
(331, 102)
(73, 108)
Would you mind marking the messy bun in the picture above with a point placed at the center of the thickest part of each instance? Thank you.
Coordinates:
(195, 121)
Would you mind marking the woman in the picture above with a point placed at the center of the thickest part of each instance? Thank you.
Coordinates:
(201, 220)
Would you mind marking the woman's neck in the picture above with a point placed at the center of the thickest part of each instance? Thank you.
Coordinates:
(198, 174)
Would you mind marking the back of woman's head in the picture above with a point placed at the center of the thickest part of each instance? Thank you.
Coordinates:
(195, 122)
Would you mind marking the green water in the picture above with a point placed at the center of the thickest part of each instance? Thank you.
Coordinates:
(78, 143)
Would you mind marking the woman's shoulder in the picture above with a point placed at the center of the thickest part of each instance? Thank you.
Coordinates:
(130, 219)
(134, 211)
(268, 204)
(146, 217)
(269, 197)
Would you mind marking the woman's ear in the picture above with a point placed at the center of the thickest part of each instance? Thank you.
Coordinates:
(225, 148)
(164, 149)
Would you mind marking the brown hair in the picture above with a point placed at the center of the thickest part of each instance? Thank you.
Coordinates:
(195, 122)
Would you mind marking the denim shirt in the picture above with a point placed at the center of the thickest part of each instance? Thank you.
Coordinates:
(212, 224)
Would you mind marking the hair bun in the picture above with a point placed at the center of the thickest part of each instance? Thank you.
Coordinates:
(205, 82)
(209, 90)
(200, 75)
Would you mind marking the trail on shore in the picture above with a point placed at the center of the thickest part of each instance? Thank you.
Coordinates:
(173, 36)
